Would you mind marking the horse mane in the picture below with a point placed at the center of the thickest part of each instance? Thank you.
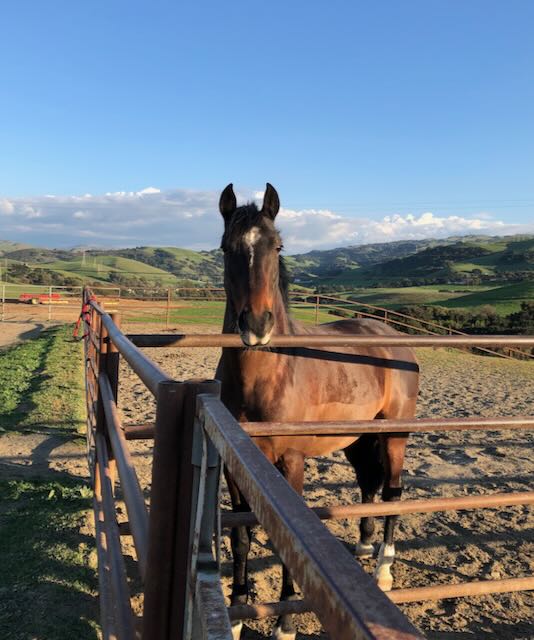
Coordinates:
(241, 221)
(283, 281)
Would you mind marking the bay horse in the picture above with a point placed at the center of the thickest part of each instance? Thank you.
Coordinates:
(282, 385)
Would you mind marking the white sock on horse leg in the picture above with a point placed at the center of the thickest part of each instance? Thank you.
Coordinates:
(383, 576)
(236, 630)
(279, 634)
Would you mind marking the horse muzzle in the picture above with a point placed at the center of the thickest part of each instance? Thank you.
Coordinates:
(252, 340)
(255, 330)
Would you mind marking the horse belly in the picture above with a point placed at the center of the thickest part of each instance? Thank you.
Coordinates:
(320, 445)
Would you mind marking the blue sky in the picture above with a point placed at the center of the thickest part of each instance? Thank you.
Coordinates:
(362, 110)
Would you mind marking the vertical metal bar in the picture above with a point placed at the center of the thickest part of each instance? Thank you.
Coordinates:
(103, 342)
(3, 302)
(316, 310)
(111, 365)
(113, 358)
(49, 304)
(167, 317)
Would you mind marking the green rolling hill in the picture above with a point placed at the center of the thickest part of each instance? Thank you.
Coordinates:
(455, 272)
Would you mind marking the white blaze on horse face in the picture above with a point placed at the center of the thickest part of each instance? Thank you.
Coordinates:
(250, 239)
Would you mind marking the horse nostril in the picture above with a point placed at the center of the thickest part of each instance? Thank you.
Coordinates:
(241, 321)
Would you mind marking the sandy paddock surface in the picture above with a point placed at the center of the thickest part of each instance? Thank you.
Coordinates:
(13, 332)
(431, 548)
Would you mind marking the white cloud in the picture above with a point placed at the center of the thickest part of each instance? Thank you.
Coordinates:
(6, 207)
(187, 218)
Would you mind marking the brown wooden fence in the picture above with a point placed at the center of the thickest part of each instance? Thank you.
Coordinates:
(193, 435)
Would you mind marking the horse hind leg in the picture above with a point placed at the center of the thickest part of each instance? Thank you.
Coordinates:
(364, 456)
(291, 465)
(393, 446)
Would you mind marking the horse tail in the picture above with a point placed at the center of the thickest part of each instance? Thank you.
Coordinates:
(364, 456)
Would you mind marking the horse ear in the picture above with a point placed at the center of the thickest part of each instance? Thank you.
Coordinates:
(271, 202)
(227, 202)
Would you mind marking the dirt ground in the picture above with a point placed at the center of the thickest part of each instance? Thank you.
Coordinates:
(13, 332)
(431, 548)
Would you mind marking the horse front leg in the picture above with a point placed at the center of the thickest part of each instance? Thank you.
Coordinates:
(364, 456)
(291, 465)
(240, 538)
(393, 448)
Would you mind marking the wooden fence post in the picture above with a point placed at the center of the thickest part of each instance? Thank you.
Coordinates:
(167, 317)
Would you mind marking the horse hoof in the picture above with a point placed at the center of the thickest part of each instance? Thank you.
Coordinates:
(280, 634)
(236, 630)
(385, 582)
(364, 550)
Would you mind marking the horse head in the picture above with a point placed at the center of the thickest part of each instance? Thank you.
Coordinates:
(253, 267)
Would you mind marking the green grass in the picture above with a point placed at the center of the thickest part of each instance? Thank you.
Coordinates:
(505, 299)
(394, 297)
(211, 312)
(49, 581)
(41, 383)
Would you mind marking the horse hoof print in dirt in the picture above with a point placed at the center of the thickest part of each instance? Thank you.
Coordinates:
(260, 383)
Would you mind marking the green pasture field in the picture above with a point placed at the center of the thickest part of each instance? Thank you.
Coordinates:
(211, 312)
(394, 297)
(505, 299)
(49, 580)
(468, 267)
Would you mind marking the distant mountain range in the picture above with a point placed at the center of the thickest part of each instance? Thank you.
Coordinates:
(402, 263)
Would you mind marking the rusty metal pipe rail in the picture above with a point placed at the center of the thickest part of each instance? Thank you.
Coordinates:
(133, 496)
(149, 372)
(231, 340)
(398, 596)
(358, 427)
(375, 509)
(346, 600)
(122, 612)
(402, 425)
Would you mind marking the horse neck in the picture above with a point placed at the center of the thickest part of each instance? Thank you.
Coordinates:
(283, 324)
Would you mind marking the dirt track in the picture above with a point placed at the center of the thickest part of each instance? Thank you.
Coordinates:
(14, 332)
(431, 548)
